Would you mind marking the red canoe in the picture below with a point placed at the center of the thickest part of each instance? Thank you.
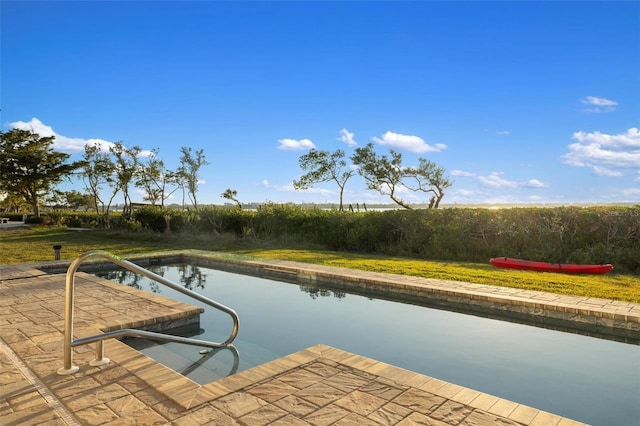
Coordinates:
(565, 268)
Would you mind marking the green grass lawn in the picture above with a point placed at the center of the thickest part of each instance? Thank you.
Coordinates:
(35, 244)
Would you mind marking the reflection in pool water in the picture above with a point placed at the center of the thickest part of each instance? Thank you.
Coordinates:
(587, 379)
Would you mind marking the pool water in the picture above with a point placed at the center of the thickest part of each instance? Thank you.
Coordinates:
(592, 380)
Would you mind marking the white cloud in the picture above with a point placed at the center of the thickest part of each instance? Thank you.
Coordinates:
(599, 104)
(347, 137)
(604, 171)
(410, 143)
(312, 190)
(535, 183)
(284, 188)
(462, 173)
(503, 132)
(295, 145)
(605, 154)
(61, 142)
(494, 180)
(65, 143)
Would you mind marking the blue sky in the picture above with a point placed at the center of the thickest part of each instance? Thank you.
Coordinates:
(520, 102)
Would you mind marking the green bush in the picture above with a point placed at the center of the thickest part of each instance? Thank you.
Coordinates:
(14, 217)
(151, 218)
(562, 234)
(75, 219)
(37, 220)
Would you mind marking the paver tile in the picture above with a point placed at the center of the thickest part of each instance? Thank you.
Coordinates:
(296, 405)
(361, 403)
(300, 378)
(290, 420)
(419, 419)
(25, 400)
(451, 412)
(503, 407)
(36, 415)
(383, 388)
(355, 419)
(482, 418)
(272, 391)
(323, 369)
(345, 381)
(96, 415)
(389, 414)
(465, 396)
(100, 395)
(523, 414)
(263, 416)
(320, 394)
(169, 409)
(543, 418)
(238, 404)
(326, 416)
(130, 408)
(419, 400)
(72, 386)
(483, 401)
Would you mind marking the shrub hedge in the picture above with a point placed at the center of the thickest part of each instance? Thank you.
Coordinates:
(573, 234)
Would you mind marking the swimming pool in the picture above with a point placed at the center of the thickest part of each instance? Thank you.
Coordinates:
(592, 380)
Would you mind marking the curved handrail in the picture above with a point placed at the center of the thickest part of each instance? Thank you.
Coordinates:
(99, 338)
(234, 368)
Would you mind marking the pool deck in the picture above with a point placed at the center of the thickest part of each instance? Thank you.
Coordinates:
(319, 385)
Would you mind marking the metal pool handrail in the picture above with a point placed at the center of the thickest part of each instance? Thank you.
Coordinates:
(99, 338)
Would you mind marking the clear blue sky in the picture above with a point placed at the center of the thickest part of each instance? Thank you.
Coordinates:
(527, 102)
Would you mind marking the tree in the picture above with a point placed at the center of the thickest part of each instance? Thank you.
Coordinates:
(381, 173)
(231, 194)
(126, 165)
(190, 165)
(98, 169)
(387, 175)
(428, 177)
(75, 200)
(323, 166)
(55, 200)
(61, 200)
(154, 178)
(13, 203)
(29, 167)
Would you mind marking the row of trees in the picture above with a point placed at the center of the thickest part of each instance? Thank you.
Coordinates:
(30, 170)
(384, 174)
(114, 170)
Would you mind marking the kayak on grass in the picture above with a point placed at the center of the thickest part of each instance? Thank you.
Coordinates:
(566, 268)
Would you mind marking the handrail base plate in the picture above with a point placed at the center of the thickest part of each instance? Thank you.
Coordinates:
(68, 371)
(98, 362)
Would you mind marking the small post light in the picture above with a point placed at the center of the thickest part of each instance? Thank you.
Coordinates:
(56, 251)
